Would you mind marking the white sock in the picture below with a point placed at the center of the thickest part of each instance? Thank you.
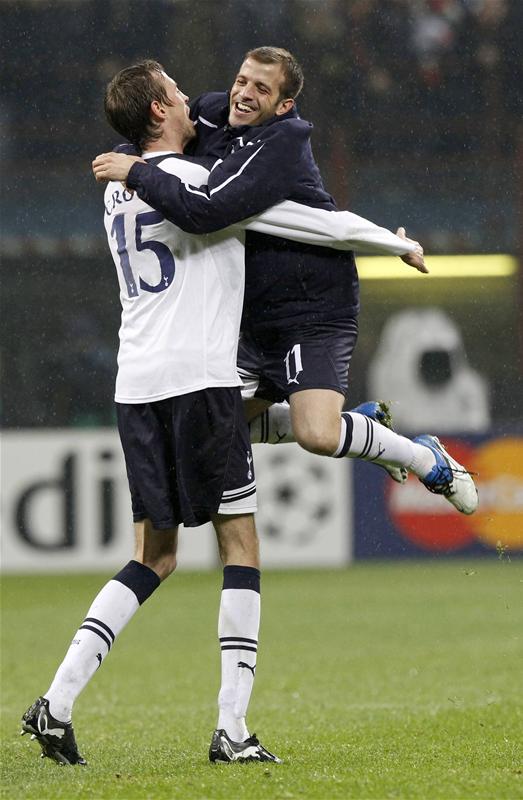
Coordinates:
(361, 437)
(238, 626)
(109, 613)
(273, 426)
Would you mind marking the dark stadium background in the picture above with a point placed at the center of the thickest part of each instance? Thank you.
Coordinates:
(417, 114)
(394, 678)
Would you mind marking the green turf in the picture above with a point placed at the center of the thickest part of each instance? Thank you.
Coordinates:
(381, 681)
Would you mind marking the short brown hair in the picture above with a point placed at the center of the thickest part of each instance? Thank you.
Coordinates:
(128, 99)
(292, 72)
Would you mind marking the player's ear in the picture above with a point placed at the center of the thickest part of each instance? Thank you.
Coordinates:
(284, 106)
(157, 110)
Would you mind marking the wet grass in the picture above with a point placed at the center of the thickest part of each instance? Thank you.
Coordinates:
(380, 681)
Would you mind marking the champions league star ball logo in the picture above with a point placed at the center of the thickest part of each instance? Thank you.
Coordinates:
(294, 503)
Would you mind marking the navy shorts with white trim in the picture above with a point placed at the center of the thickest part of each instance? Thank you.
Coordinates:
(188, 457)
(273, 365)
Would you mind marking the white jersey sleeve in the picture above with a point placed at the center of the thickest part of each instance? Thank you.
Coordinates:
(341, 230)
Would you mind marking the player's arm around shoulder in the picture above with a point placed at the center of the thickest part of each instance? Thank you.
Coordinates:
(254, 177)
(262, 171)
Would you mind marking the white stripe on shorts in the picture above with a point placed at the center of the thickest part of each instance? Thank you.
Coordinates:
(250, 383)
(232, 493)
(239, 501)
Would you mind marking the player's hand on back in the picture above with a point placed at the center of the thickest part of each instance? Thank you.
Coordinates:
(415, 257)
(113, 166)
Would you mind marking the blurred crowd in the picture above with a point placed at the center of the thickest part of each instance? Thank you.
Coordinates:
(416, 98)
(430, 75)
(387, 71)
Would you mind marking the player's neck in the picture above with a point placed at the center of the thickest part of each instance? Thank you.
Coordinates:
(170, 144)
(172, 140)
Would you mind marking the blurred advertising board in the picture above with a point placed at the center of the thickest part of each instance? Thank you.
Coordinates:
(66, 506)
(391, 520)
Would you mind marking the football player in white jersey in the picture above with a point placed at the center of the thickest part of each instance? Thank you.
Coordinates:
(181, 423)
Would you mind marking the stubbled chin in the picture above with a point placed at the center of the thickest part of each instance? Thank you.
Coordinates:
(239, 119)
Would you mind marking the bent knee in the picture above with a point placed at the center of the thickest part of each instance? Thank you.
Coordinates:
(320, 442)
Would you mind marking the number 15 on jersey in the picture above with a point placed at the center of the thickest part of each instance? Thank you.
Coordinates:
(161, 252)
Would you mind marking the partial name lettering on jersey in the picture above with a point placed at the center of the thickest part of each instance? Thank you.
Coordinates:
(116, 199)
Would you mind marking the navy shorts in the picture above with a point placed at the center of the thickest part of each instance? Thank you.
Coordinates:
(274, 365)
(188, 457)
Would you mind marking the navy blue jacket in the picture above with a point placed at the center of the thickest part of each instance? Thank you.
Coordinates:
(287, 283)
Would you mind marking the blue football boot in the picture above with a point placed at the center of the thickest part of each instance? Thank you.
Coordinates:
(448, 477)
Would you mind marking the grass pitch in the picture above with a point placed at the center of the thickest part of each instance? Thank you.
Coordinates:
(380, 681)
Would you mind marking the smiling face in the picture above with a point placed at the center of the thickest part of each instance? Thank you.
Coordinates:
(255, 94)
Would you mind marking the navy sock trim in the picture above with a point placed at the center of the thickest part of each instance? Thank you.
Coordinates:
(368, 439)
(98, 633)
(237, 639)
(241, 578)
(101, 624)
(139, 579)
(348, 435)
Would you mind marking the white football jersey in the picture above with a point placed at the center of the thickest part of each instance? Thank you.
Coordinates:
(182, 293)
(181, 296)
